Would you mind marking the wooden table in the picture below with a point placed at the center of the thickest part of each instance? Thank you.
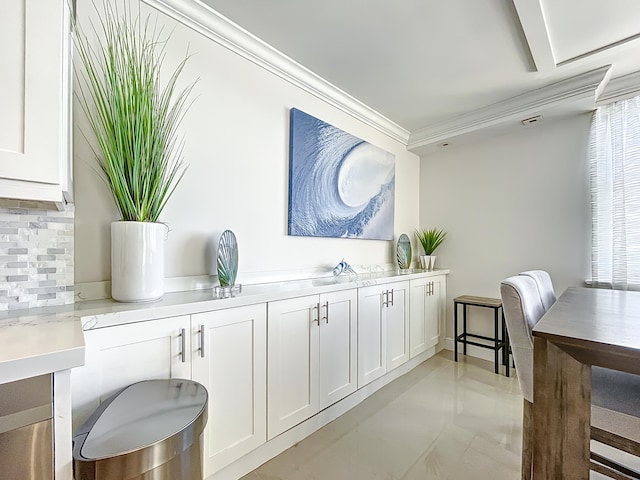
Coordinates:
(584, 327)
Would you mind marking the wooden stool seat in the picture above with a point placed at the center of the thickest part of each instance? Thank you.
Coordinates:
(496, 344)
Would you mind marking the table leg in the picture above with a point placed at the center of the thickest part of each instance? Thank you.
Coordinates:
(561, 414)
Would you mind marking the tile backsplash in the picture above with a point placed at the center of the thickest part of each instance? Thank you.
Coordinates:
(36, 255)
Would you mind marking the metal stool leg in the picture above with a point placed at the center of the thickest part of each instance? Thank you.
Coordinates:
(464, 328)
(496, 341)
(505, 352)
(455, 330)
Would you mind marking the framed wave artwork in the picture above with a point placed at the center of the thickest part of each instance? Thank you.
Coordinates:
(339, 185)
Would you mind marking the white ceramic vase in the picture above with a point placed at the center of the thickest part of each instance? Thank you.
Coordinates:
(428, 262)
(137, 261)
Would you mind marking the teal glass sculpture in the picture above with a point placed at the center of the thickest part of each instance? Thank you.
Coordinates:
(403, 252)
(227, 259)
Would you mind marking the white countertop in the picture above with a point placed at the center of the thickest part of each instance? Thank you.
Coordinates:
(44, 340)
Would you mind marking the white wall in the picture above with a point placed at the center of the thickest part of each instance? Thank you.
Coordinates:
(509, 204)
(237, 141)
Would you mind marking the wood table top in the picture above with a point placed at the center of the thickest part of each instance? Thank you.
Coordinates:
(596, 326)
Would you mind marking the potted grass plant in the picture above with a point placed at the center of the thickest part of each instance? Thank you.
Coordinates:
(430, 239)
(133, 116)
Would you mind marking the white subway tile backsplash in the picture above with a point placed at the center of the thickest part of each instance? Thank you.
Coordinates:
(36, 255)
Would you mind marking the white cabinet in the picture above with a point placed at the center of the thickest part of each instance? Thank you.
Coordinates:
(427, 312)
(311, 356)
(383, 337)
(224, 350)
(396, 310)
(338, 342)
(124, 354)
(34, 94)
(229, 359)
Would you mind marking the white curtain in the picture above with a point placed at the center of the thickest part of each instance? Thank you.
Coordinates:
(614, 154)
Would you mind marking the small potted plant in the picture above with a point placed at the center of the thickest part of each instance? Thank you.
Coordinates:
(430, 239)
(134, 117)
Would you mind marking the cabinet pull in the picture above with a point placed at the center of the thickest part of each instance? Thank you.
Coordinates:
(430, 288)
(391, 298)
(326, 312)
(385, 298)
(183, 349)
(316, 317)
(201, 332)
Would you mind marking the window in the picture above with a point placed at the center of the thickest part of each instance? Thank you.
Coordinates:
(614, 155)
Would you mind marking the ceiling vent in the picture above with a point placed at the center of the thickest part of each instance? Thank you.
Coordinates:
(532, 120)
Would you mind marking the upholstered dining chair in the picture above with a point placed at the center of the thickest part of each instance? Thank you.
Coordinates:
(612, 423)
(545, 287)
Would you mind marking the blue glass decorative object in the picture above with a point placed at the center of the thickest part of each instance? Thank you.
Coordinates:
(343, 268)
(403, 252)
(227, 259)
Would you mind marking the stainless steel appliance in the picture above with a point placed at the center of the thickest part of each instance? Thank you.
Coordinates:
(26, 429)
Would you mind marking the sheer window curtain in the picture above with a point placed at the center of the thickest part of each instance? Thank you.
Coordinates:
(614, 155)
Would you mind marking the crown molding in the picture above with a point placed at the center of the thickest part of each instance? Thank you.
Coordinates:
(620, 88)
(206, 21)
(579, 92)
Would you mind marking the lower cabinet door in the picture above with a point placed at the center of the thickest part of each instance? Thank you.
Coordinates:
(292, 362)
(124, 354)
(372, 335)
(229, 359)
(338, 346)
(418, 315)
(397, 320)
(435, 309)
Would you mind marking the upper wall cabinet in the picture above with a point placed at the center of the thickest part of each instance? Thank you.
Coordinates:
(35, 84)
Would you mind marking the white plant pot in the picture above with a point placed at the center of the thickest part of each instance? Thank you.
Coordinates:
(137, 261)
(427, 262)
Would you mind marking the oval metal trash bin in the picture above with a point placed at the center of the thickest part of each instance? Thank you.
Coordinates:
(150, 430)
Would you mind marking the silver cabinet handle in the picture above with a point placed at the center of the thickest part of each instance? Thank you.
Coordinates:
(201, 332)
(429, 291)
(391, 297)
(183, 346)
(326, 312)
(316, 317)
(385, 298)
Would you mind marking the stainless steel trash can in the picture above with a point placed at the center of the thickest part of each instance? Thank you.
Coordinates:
(150, 430)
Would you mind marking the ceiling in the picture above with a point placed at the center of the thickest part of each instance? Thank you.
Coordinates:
(419, 62)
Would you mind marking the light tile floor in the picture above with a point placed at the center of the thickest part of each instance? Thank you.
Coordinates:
(442, 420)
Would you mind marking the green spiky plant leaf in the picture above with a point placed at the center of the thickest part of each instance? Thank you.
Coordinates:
(430, 239)
(133, 115)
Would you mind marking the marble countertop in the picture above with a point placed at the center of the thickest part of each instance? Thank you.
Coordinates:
(44, 340)
(29, 349)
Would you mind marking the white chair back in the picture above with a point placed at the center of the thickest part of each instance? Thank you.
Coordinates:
(545, 287)
(523, 308)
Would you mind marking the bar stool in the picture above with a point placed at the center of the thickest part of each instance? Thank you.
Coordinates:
(498, 343)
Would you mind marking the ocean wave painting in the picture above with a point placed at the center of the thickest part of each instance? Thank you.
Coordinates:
(339, 185)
